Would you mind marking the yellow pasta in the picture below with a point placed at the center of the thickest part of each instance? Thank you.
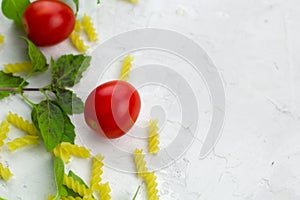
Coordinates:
(4, 129)
(153, 141)
(75, 150)
(133, 1)
(104, 191)
(5, 173)
(61, 153)
(1, 39)
(22, 124)
(76, 186)
(150, 180)
(140, 163)
(78, 42)
(18, 67)
(89, 28)
(126, 67)
(50, 197)
(71, 198)
(78, 26)
(23, 141)
(96, 171)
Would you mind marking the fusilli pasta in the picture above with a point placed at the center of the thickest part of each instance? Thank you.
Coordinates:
(153, 141)
(22, 124)
(4, 129)
(150, 180)
(17, 67)
(50, 197)
(61, 153)
(96, 171)
(72, 198)
(78, 42)
(76, 186)
(75, 150)
(126, 68)
(23, 141)
(133, 1)
(1, 39)
(5, 173)
(140, 163)
(89, 28)
(78, 26)
(104, 191)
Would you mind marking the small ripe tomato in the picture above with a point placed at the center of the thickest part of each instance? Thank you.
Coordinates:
(112, 108)
(48, 22)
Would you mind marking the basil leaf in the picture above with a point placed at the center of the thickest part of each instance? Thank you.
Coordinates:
(77, 5)
(68, 69)
(9, 81)
(69, 131)
(77, 178)
(98, 1)
(69, 102)
(59, 171)
(50, 119)
(14, 9)
(37, 58)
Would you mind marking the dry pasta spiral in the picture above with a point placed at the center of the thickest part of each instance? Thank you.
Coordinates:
(140, 163)
(4, 129)
(76, 186)
(104, 191)
(23, 141)
(50, 197)
(18, 67)
(153, 140)
(126, 67)
(5, 173)
(89, 28)
(1, 39)
(75, 150)
(133, 1)
(78, 26)
(96, 171)
(22, 124)
(61, 153)
(78, 42)
(150, 180)
(72, 198)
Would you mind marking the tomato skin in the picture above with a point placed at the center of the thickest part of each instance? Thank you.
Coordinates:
(112, 108)
(48, 22)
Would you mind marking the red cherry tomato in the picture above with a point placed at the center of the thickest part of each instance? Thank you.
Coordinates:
(112, 108)
(48, 22)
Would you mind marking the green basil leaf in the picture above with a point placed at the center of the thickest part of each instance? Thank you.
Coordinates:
(69, 102)
(14, 9)
(68, 69)
(77, 5)
(77, 178)
(8, 81)
(37, 58)
(69, 131)
(59, 171)
(50, 119)
(98, 1)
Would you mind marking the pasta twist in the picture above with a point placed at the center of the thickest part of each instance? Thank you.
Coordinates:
(1, 39)
(150, 180)
(153, 140)
(74, 198)
(126, 68)
(96, 171)
(50, 197)
(18, 67)
(5, 173)
(140, 163)
(61, 153)
(78, 42)
(22, 124)
(76, 186)
(104, 191)
(21, 142)
(75, 150)
(133, 1)
(4, 129)
(89, 28)
(78, 26)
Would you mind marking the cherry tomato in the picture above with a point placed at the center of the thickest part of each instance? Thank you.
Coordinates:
(112, 108)
(48, 22)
